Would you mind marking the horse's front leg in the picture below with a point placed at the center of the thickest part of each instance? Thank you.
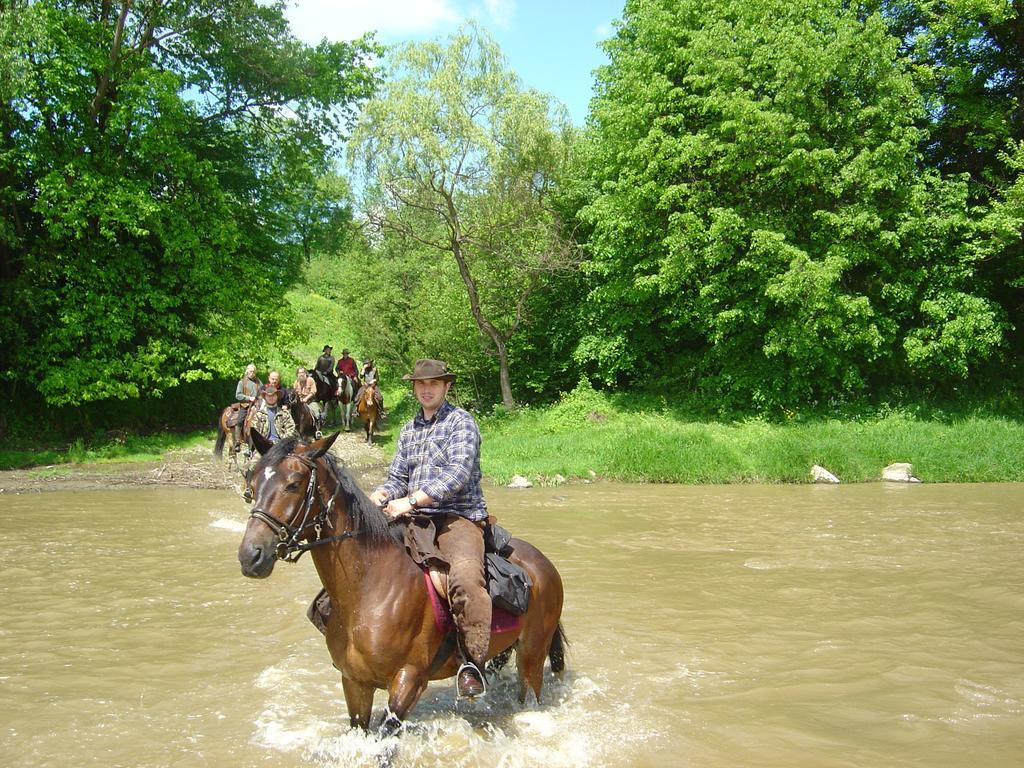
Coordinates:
(405, 690)
(359, 700)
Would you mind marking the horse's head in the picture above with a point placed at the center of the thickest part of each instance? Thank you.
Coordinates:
(283, 489)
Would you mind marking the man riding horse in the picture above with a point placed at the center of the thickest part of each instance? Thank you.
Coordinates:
(324, 368)
(305, 392)
(273, 420)
(347, 367)
(369, 379)
(436, 471)
(246, 392)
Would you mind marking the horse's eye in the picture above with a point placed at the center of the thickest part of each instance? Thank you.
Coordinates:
(292, 487)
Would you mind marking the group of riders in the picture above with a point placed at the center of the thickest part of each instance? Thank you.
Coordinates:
(265, 406)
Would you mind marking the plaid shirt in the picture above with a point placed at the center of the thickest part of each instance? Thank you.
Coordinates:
(440, 457)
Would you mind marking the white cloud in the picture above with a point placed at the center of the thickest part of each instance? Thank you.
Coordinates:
(604, 31)
(500, 12)
(313, 20)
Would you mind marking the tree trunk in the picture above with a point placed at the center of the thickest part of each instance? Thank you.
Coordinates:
(482, 322)
(506, 385)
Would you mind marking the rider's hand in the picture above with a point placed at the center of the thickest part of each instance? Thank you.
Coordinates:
(399, 507)
(379, 498)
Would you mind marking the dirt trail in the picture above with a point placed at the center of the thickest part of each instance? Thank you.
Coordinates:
(192, 468)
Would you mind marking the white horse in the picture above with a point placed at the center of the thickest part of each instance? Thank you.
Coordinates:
(346, 393)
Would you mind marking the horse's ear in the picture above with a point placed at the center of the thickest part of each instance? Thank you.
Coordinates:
(319, 447)
(262, 443)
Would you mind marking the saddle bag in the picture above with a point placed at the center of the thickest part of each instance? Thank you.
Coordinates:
(236, 415)
(508, 584)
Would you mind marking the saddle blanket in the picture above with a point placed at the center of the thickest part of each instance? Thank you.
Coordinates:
(501, 621)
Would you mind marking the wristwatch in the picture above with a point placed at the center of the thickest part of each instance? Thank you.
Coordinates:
(412, 501)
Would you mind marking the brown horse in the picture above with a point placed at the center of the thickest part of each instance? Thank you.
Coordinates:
(305, 421)
(381, 630)
(368, 411)
(226, 434)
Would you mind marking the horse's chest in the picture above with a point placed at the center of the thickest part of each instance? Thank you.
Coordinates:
(361, 654)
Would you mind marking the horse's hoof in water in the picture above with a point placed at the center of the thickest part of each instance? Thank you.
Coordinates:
(390, 725)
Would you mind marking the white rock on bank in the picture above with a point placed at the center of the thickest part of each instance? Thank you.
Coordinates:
(822, 475)
(899, 472)
(518, 481)
(559, 480)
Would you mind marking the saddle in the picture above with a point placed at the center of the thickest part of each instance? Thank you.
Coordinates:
(507, 583)
(238, 413)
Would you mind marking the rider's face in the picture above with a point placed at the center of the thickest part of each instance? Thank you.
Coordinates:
(431, 393)
(274, 379)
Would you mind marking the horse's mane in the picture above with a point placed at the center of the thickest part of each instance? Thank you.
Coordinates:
(367, 518)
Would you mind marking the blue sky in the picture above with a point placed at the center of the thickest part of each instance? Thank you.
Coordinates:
(552, 46)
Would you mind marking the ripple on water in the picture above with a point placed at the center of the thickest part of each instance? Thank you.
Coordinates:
(567, 731)
(235, 526)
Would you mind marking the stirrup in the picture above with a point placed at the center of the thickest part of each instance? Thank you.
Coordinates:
(469, 665)
(318, 435)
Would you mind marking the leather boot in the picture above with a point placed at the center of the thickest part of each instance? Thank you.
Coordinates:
(470, 681)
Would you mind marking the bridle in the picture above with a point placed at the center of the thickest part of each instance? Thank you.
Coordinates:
(288, 547)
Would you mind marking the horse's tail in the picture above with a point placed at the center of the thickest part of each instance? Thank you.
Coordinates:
(218, 447)
(556, 652)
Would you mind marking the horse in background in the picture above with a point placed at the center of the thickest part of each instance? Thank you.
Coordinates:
(346, 396)
(368, 410)
(230, 418)
(305, 421)
(326, 392)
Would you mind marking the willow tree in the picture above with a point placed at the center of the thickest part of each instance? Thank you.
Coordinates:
(459, 157)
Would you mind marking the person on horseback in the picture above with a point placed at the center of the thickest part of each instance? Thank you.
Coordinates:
(325, 363)
(346, 365)
(324, 368)
(246, 392)
(305, 392)
(436, 471)
(272, 419)
(369, 376)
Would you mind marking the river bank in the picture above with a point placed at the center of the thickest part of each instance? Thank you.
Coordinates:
(193, 466)
(588, 435)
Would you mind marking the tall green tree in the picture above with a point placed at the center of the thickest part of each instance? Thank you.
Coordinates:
(461, 159)
(759, 219)
(970, 56)
(151, 154)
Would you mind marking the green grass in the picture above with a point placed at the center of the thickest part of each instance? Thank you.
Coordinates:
(119, 448)
(588, 433)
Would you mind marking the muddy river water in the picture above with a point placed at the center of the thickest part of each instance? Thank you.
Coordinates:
(871, 625)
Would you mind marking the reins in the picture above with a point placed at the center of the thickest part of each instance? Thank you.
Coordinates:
(288, 547)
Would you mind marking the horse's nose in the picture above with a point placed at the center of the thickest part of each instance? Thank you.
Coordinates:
(256, 562)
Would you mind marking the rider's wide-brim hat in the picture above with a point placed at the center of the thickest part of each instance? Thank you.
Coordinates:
(430, 369)
(272, 396)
